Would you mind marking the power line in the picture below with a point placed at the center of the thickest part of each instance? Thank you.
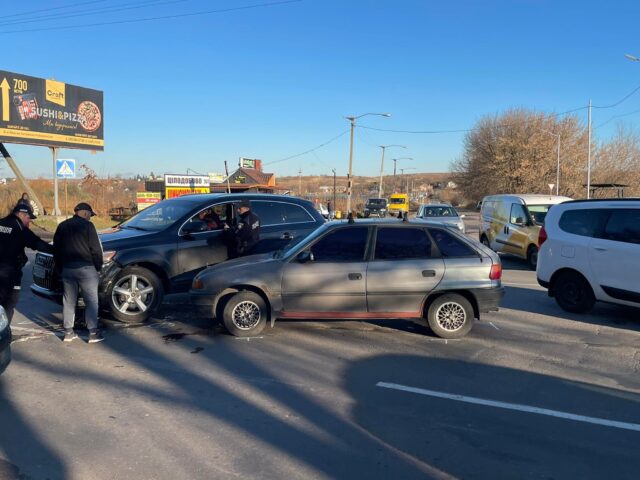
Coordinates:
(308, 151)
(149, 19)
(619, 101)
(617, 116)
(52, 8)
(93, 11)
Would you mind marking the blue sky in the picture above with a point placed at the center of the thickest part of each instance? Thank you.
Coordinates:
(275, 81)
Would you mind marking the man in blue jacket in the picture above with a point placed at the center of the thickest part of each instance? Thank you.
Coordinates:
(78, 255)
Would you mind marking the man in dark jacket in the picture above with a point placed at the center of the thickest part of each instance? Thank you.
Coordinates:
(14, 236)
(246, 233)
(78, 255)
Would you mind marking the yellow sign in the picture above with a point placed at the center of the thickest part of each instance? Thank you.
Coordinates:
(172, 192)
(5, 99)
(146, 199)
(55, 91)
(28, 135)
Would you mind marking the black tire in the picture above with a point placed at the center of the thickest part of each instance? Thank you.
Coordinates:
(135, 295)
(245, 314)
(450, 316)
(485, 241)
(532, 257)
(573, 293)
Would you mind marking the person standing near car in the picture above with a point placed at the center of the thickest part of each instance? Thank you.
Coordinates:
(15, 235)
(78, 256)
(246, 233)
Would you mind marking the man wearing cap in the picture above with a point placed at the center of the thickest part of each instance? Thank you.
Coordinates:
(14, 236)
(78, 255)
(246, 233)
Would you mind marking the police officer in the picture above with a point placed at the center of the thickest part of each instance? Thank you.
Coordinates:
(14, 236)
(246, 233)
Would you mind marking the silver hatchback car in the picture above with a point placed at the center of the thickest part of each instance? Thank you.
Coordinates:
(368, 269)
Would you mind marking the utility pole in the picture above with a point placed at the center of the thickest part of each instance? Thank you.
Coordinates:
(299, 182)
(334, 192)
(558, 169)
(349, 183)
(383, 147)
(589, 157)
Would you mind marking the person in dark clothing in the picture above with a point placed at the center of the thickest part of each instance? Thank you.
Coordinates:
(78, 256)
(14, 236)
(246, 233)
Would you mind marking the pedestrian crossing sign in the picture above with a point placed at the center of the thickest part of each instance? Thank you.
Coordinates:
(65, 168)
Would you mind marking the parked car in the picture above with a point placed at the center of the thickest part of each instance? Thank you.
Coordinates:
(511, 223)
(5, 340)
(364, 269)
(161, 248)
(375, 206)
(590, 251)
(398, 203)
(442, 213)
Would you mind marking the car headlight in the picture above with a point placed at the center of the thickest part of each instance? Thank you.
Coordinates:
(4, 320)
(108, 256)
(197, 284)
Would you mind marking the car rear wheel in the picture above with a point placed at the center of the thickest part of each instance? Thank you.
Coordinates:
(136, 294)
(573, 293)
(532, 257)
(245, 314)
(450, 316)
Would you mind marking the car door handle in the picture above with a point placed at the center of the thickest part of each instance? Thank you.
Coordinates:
(600, 249)
(428, 273)
(355, 276)
(286, 236)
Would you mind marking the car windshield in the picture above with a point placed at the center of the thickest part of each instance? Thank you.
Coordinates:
(439, 212)
(397, 200)
(158, 216)
(377, 202)
(538, 212)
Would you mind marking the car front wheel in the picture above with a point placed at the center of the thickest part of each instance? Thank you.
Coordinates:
(245, 314)
(135, 296)
(450, 316)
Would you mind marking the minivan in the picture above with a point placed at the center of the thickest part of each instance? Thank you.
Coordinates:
(511, 223)
(398, 203)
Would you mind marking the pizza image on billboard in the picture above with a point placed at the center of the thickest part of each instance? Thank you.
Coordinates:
(90, 116)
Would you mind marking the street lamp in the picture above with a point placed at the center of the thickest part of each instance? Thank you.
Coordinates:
(558, 163)
(395, 160)
(402, 177)
(349, 181)
(632, 57)
(383, 147)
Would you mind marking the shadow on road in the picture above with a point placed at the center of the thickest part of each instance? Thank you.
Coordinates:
(477, 441)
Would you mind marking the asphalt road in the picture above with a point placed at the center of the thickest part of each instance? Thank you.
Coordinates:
(531, 392)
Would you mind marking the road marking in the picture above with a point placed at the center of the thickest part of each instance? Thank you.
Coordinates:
(491, 323)
(513, 406)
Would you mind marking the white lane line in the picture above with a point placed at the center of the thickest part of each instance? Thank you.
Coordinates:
(491, 323)
(514, 406)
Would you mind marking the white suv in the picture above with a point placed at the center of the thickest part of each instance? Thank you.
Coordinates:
(590, 250)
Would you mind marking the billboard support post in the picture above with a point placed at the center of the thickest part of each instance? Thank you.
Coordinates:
(16, 170)
(56, 207)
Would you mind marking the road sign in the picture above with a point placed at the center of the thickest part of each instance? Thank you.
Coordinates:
(65, 168)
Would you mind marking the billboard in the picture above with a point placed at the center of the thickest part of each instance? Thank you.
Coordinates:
(177, 185)
(146, 199)
(36, 111)
(247, 162)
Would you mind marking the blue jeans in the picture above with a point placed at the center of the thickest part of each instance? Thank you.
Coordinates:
(85, 278)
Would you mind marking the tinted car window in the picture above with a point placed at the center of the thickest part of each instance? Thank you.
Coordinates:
(343, 245)
(438, 212)
(518, 214)
(402, 244)
(449, 245)
(623, 226)
(585, 223)
(295, 214)
(269, 213)
(158, 216)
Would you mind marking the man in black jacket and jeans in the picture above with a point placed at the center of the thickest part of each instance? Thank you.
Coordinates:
(14, 236)
(78, 255)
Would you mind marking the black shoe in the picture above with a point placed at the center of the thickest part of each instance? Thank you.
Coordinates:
(95, 337)
(69, 336)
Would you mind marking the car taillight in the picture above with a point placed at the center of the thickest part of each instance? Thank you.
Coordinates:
(496, 272)
(542, 237)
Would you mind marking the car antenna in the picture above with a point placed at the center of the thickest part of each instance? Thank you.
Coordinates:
(350, 217)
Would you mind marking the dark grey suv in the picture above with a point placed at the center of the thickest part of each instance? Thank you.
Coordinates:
(161, 248)
(364, 269)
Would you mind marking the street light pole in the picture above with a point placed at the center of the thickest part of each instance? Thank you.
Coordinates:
(350, 174)
(402, 178)
(383, 147)
(334, 193)
(395, 160)
(589, 157)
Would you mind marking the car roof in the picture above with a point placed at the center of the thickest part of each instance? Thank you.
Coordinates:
(529, 199)
(395, 222)
(196, 198)
(448, 205)
(632, 200)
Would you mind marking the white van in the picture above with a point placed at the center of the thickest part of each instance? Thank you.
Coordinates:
(511, 223)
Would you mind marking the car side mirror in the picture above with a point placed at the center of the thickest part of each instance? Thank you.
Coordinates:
(305, 256)
(462, 216)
